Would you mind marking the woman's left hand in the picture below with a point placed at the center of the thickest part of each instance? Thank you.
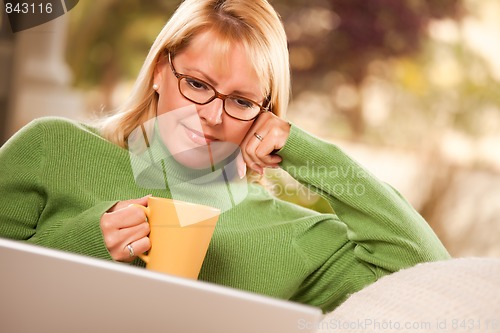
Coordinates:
(267, 135)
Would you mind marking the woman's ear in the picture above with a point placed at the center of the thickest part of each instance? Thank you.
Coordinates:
(159, 73)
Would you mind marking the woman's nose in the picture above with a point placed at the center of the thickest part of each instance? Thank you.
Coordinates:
(212, 112)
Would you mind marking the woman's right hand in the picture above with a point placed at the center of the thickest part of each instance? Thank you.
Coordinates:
(123, 225)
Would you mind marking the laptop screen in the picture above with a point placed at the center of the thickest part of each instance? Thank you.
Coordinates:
(43, 290)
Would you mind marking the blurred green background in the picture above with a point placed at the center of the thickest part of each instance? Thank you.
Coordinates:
(424, 55)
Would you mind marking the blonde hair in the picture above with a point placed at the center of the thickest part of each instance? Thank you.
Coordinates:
(254, 23)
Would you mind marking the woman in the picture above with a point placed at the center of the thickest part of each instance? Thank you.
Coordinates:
(71, 186)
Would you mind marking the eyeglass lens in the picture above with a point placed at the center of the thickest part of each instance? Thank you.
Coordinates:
(201, 92)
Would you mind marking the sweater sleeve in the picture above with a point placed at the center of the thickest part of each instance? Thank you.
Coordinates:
(387, 232)
(23, 199)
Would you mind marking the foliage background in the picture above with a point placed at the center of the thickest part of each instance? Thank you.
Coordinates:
(408, 87)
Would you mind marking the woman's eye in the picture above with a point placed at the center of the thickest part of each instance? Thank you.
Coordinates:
(198, 85)
(243, 103)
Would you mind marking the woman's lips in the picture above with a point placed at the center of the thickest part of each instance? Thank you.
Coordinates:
(198, 137)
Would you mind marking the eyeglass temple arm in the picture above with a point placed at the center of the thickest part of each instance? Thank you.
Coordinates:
(172, 65)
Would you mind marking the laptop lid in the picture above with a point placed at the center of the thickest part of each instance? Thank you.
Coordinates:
(43, 290)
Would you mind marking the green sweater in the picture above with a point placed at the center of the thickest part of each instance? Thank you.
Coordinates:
(59, 177)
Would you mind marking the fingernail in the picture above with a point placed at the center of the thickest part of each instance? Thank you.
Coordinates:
(242, 171)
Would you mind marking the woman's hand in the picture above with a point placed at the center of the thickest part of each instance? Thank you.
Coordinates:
(268, 134)
(124, 225)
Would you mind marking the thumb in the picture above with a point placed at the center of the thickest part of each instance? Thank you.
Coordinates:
(140, 201)
(124, 204)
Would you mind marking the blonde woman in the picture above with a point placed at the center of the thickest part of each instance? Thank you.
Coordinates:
(224, 62)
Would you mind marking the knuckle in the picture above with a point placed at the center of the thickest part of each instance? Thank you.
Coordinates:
(259, 152)
(106, 221)
(248, 151)
(136, 213)
(110, 240)
(275, 131)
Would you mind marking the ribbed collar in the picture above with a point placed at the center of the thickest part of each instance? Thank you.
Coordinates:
(154, 167)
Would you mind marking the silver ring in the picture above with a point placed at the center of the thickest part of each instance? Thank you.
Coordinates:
(258, 136)
(131, 252)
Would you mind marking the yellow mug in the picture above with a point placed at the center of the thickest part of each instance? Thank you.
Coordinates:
(180, 235)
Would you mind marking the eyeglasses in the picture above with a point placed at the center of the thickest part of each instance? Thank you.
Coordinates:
(201, 93)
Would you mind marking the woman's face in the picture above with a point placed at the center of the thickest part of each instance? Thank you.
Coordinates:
(200, 135)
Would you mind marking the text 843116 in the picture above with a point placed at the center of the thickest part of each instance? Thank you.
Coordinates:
(28, 8)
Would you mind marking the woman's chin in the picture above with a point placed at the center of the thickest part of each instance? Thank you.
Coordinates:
(204, 157)
(194, 158)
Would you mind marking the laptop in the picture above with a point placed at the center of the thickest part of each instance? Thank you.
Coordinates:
(44, 290)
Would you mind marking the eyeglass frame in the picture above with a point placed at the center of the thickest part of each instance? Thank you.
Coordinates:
(217, 94)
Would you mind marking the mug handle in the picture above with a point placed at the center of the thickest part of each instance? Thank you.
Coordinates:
(142, 256)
